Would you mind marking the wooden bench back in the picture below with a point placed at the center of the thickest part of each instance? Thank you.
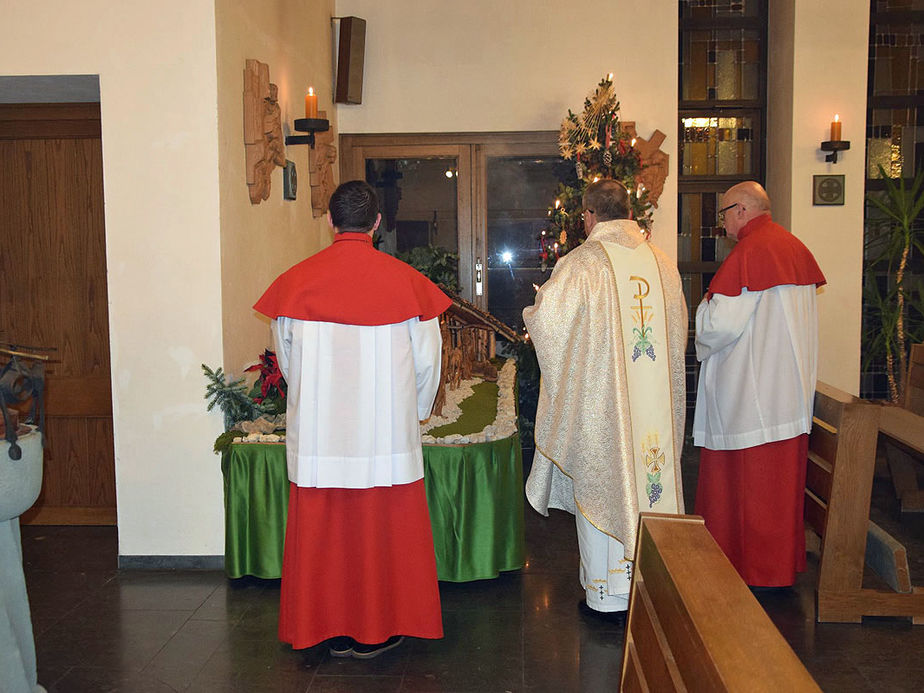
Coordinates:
(693, 624)
(838, 484)
(914, 383)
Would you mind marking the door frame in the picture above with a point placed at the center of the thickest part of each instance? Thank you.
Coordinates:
(472, 150)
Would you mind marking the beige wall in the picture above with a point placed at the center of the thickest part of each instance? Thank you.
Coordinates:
(156, 67)
(260, 241)
(483, 65)
(826, 41)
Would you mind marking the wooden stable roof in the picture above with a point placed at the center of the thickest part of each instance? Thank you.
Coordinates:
(473, 315)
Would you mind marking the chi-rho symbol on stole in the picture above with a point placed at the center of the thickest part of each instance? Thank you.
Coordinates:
(641, 316)
(644, 338)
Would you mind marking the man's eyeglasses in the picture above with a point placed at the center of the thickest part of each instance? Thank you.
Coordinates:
(721, 213)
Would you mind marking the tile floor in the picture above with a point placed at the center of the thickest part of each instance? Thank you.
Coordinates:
(99, 629)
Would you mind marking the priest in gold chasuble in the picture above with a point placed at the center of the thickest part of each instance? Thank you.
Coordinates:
(610, 331)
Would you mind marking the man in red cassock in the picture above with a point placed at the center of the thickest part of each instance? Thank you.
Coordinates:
(358, 340)
(757, 338)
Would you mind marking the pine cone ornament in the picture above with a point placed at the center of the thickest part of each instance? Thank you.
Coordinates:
(608, 158)
(579, 169)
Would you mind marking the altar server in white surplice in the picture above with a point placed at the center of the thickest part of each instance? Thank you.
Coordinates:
(757, 338)
(358, 341)
(610, 330)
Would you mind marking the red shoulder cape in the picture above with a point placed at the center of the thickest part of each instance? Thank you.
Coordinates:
(765, 256)
(352, 283)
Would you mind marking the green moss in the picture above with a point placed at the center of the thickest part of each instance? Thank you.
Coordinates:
(478, 411)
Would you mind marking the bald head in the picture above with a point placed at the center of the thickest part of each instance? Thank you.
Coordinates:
(746, 200)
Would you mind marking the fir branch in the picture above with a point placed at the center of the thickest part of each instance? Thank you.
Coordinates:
(231, 397)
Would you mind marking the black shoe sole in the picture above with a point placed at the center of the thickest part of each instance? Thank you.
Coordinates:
(375, 653)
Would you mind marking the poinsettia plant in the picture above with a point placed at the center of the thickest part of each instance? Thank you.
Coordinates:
(269, 390)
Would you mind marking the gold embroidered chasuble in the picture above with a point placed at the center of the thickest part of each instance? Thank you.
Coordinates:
(592, 320)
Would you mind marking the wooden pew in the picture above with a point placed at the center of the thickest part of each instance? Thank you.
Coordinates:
(838, 485)
(693, 624)
(903, 430)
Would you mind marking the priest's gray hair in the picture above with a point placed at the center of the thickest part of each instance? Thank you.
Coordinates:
(608, 199)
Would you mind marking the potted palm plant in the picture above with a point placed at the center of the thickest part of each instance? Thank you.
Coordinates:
(894, 294)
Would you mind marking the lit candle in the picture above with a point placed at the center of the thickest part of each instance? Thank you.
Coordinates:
(311, 104)
(836, 128)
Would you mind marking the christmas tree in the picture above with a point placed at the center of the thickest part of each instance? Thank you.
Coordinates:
(600, 148)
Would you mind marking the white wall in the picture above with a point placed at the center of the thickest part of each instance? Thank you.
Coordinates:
(519, 65)
(826, 41)
(156, 67)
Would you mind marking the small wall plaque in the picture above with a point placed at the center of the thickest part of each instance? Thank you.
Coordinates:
(828, 189)
(289, 181)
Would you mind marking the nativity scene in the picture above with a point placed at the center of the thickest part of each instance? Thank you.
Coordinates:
(585, 328)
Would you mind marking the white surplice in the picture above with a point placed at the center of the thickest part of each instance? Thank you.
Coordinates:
(355, 396)
(756, 390)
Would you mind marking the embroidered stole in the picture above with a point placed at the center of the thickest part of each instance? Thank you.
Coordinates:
(646, 363)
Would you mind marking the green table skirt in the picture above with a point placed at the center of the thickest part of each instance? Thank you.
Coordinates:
(256, 503)
(474, 492)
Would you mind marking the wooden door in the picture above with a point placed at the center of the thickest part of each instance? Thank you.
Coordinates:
(53, 294)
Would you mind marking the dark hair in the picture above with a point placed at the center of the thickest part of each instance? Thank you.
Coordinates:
(608, 199)
(353, 207)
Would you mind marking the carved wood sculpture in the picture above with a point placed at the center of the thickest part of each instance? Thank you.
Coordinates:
(468, 352)
(454, 376)
(654, 161)
(264, 146)
(321, 159)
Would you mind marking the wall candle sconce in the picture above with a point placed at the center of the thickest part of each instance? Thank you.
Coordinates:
(311, 123)
(835, 144)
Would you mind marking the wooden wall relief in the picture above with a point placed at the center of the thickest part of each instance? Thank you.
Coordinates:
(654, 161)
(321, 159)
(264, 146)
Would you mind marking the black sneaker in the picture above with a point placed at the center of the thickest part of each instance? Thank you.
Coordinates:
(363, 651)
(341, 646)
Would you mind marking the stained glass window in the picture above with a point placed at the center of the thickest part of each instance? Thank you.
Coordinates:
(722, 107)
(721, 65)
(895, 141)
(896, 5)
(895, 53)
(717, 146)
(711, 9)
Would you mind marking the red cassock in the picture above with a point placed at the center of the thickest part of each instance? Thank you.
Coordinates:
(752, 497)
(752, 501)
(357, 561)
